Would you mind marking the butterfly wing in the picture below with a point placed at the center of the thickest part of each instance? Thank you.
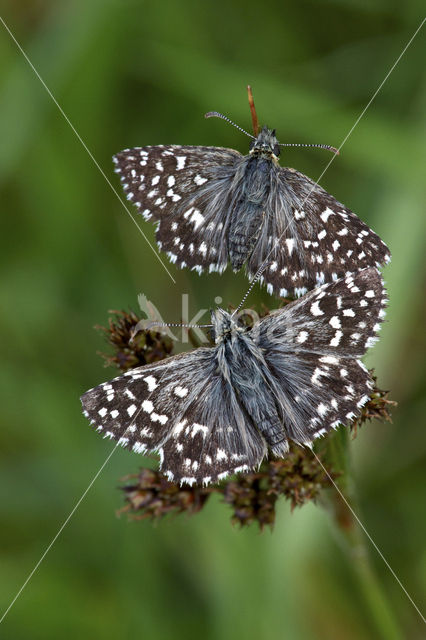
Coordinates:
(183, 409)
(187, 189)
(310, 238)
(312, 348)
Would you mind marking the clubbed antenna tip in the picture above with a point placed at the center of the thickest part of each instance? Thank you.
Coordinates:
(319, 146)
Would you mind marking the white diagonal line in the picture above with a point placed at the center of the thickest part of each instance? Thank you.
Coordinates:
(370, 538)
(80, 139)
(361, 115)
(322, 174)
(79, 501)
(116, 193)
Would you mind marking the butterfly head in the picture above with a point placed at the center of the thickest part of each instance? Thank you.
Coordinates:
(266, 143)
(223, 325)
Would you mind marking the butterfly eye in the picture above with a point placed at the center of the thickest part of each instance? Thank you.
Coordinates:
(277, 150)
(252, 144)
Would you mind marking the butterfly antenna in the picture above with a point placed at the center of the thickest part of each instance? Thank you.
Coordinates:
(176, 324)
(321, 146)
(252, 283)
(216, 114)
(253, 111)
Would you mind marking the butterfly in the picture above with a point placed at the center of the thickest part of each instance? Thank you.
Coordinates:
(295, 375)
(214, 206)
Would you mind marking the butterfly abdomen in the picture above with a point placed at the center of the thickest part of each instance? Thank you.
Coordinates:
(248, 212)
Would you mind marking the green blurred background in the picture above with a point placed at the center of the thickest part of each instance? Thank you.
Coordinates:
(134, 73)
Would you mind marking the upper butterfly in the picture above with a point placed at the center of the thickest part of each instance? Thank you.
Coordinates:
(215, 205)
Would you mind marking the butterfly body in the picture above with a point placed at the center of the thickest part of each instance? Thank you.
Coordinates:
(294, 375)
(215, 206)
(251, 188)
(242, 366)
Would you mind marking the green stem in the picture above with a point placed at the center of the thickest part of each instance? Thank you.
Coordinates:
(336, 453)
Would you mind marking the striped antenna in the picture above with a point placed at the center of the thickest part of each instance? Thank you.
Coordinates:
(176, 324)
(216, 114)
(321, 146)
(253, 282)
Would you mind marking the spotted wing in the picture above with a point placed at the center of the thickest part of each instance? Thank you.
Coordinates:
(181, 408)
(311, 238)
(313, 348)
(187, 189)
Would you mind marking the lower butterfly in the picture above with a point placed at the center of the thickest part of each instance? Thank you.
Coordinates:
(295, 375)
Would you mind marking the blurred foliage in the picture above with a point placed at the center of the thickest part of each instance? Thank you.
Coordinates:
(128, 73)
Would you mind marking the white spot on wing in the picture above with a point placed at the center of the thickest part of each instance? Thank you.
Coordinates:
(155, 417)
(315, 379)
(181, 391)
(138, 447)
(196, 428)
(196, 218)
(315, 309)
(147, 406)
(329, 359)
(326, 214)
(151, 382)
(131, 410)
(335, 322)
(334, 342)
(322, 409)
(290, 245)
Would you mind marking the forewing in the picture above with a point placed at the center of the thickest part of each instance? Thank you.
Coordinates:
(188, 189)
(310, 238)
(313, 346)
(181, 408)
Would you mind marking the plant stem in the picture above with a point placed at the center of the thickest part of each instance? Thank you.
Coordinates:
(336, 452)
